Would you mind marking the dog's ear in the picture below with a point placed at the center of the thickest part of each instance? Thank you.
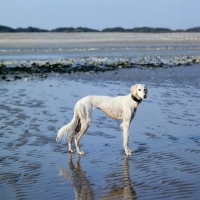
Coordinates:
(134, 90)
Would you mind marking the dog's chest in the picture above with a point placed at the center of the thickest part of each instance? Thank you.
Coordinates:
(133, 112)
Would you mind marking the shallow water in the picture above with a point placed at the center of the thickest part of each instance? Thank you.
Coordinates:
(164, 135)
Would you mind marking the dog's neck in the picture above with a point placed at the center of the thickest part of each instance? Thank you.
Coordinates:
(136, 99)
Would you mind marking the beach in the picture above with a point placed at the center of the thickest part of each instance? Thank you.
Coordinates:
(164, 134)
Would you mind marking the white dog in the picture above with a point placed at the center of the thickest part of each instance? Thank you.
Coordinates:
(119, 108)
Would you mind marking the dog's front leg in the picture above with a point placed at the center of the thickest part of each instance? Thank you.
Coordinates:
(125, 128)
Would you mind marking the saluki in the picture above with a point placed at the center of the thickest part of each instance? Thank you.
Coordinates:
(118, 108)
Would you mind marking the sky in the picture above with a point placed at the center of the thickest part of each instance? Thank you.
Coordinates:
(100, 14)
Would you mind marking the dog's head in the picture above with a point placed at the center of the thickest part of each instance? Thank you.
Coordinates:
(140, 91)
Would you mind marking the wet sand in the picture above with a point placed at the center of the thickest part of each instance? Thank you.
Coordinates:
(164, 135)
(30, 40)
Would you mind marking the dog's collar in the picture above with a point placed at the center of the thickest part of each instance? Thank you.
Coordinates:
(135, 99)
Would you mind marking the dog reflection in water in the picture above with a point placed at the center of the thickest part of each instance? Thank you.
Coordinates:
(83, 187)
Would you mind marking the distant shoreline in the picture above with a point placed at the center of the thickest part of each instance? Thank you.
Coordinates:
(94, 40)
(5, 29)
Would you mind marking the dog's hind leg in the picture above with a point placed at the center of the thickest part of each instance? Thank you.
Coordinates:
(84, 126)
(70, 141)
(85, 116)
(71, 136)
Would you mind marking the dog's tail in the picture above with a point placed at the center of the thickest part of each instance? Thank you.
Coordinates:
(71, 127)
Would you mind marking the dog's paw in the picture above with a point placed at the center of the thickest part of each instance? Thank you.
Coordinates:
(81, 153)
(131, 151)
(71, 151)
(128, 152)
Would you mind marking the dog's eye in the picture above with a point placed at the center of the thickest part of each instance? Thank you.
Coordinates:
(139, 89)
